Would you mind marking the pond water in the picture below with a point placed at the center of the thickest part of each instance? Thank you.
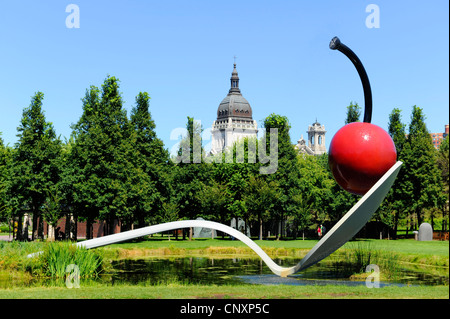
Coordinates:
(201, 270)
(229, 271)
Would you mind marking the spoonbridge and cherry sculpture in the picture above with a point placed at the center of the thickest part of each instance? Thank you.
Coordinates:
(369, 168)
(343, 231)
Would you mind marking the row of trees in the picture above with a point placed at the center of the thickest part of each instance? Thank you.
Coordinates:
(116, 168)
(111, 167)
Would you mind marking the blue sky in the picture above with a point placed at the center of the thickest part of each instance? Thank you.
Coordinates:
(181, 53)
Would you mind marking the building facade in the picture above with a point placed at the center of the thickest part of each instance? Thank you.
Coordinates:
(235, 121)
(437, 138)
(316, 140)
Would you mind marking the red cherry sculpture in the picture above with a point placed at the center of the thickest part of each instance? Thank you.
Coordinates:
(360, 153)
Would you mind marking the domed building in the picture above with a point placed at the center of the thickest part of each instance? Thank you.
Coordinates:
(234, 118)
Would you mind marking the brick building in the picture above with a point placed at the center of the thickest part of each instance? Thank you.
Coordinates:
(98, 228)
(437, 138)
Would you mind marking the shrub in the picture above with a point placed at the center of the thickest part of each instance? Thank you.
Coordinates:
(359, 255)
(56, 256)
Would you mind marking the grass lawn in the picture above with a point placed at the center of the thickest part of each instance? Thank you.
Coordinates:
(426, 252)
(400, 245)
(178, 291)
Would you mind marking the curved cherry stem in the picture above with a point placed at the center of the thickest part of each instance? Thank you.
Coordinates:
(336, 44)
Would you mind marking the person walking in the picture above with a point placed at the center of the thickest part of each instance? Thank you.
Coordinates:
(319, 231)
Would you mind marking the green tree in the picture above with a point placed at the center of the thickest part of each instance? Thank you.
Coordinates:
(64, 190)
(170, 212)
(190, 173)
(353, 113)
(101, 157)
(190, 149)
(443, 164)
(397, 197)
(443, 160)
(214, 199)
(119, 138)
(301, 218)
(287, 174)
(261, 197)
(52, 210)
(4, 159)
(149, 186)
(341, 201)
(424, 183)
(35, 168)
(397, 129)
(148, 144)
(235, 175)
(316, 190)
(80, 176)
(9, 200)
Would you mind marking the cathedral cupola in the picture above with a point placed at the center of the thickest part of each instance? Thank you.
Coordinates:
(234, 105)
(234, 118)
(234, 81)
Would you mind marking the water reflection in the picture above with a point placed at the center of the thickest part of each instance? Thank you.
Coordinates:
(229, 271)
(189, 270)
(201, 270)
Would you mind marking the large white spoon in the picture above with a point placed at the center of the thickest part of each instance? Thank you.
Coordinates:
(342, 232)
